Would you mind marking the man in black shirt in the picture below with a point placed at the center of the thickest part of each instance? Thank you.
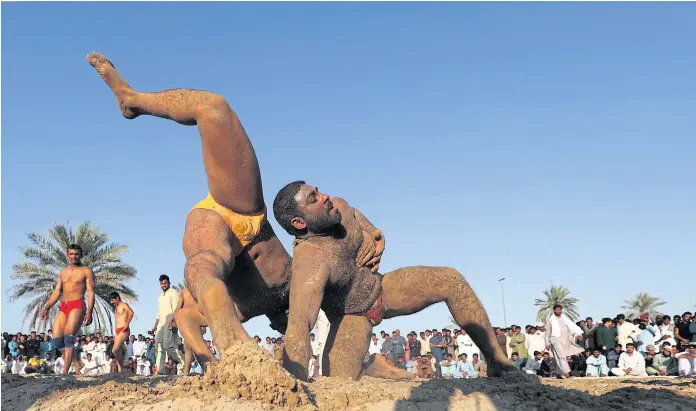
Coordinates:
(33, 345)
(414, 346)
(682, 333)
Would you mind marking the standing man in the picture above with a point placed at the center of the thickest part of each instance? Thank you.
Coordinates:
(166, 304)
(559, 332)
(124, 315)
(73, 282)
(466, 344)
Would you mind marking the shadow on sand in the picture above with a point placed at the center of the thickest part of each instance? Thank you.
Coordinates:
(495, 394)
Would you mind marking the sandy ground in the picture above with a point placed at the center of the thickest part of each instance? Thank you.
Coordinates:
(254, 382)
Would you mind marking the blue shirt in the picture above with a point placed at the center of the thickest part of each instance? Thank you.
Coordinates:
(438, 352)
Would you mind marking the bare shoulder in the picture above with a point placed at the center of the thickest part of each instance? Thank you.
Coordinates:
(309, 256)
(86, 271)
(205, 229)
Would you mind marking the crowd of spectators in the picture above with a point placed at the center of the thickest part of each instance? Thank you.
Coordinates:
(665, 346)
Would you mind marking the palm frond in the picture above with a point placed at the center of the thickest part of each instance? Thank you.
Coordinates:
(556, 295)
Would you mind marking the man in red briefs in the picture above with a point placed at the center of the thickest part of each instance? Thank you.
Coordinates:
(124, 315)
(73, 281)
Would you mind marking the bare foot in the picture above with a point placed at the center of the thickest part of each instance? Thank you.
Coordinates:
(123, 91)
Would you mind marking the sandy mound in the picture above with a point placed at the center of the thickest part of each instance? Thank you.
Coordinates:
(253, 382)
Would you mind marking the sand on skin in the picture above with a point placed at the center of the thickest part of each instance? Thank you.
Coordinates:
(255, 382)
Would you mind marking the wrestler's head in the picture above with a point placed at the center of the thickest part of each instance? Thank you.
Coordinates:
(115, 298)
(300, 209)
(74, 254)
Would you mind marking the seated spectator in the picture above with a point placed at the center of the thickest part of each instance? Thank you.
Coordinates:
(578, 363)
(49, 363)
(663, 363)
(596, 365)
(479, 366)
(35, 365)
(533, 364)
(143, 367)
(91, 366)
(517, 360)
(424, 368)
(464, 368)
(548, 366)
(687, 361)
(630, 363)
(447, 366)
(649, 354)
(169, 367)
(613, 356)
(6, 364)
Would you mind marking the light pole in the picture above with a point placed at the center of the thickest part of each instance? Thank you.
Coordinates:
(502, 289)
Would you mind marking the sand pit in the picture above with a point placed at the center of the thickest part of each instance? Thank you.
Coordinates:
(255, 382)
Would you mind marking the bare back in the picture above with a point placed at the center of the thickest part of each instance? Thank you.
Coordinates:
(74, 282)
(350, 289)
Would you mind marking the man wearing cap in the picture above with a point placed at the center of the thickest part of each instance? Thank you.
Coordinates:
(663, 363)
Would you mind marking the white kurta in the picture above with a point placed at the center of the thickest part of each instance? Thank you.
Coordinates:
(534, 342)
(466, 346)
(635, 361)
(562, 342)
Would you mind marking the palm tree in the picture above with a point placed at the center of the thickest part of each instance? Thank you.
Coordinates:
(643, 303)
(557, 295)
(46, 256)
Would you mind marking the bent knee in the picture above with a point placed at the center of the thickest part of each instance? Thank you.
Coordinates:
(201, 266)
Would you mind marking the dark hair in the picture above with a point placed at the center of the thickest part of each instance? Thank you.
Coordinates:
(114, 295)
(537, 353)
(620, 317)
(557, 306)
(631, 344)
(285, 207)
(164, 277)
(666, 317)
(514, 354)
(75, 247)
(685, 313)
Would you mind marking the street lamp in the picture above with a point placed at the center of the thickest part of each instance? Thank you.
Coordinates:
(502, 289)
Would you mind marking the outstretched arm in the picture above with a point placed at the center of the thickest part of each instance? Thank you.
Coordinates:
(90, 296)
(309, 277)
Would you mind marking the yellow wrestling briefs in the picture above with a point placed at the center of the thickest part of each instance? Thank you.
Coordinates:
(245, 226)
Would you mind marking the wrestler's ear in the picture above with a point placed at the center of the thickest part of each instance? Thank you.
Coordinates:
(299, 223)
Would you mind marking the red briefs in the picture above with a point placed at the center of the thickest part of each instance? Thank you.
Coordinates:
(119, 330)
(67, 306)
(375, 313)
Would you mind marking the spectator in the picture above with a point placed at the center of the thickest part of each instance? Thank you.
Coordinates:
(466, 345)
(596, 364)
(533, 364)
(645, 338)
(13, 347)
(479, 366)
(548, 366)
(682, 331)
(518, 344)
(534, 341)
(516, 360)
(630, 363)
(143, 366)
(589, 330)
(7, 364)
(663, 363)
(687, 361)
(438, 353)
(398, 346)
(375, 346)
(447, 366)
(91, 366)
(502, 340)
(425, 342)
(606, 336)
(166, 304)
(465, 369)
(388, 349)
(627, 332)
(35, 364)
(613, 356)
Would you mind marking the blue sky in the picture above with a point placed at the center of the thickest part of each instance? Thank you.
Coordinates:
(544, 143)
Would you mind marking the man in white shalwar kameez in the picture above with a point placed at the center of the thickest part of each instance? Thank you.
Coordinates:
(560, 335)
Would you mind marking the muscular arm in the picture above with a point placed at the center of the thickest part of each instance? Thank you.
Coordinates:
(310, 274)
(89, 282)
(53, 299)
(129, 314)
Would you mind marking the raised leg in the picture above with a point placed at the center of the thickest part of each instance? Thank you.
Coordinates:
(189, 320)
(448, 285)
(230, 162)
